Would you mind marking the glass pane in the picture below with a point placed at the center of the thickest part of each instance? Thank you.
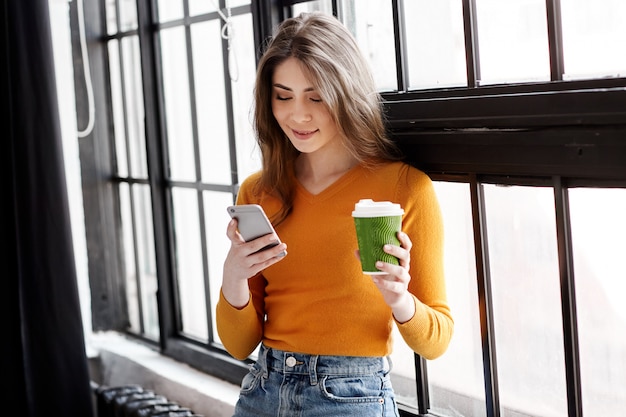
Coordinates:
(371, 22)
(312, 6)
(135, 115)
(130, 276)
(525, 284)
(111, 16)
(599, 245)
(146, 259)
(177, 105)
(189, 270)
(128, 15)
(211, 102)
(242, 67)
(513, 41)
(170, 10)
(117, 105)
(456, 378)
(235, 3)
(435, 43)
(217, 243)
(197, 7)
(594, 35)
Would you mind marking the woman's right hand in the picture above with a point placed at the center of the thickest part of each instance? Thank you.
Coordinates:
(243, 261)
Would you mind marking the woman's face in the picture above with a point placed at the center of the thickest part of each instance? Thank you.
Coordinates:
(299, 110)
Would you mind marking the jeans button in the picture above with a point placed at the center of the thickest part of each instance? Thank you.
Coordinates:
(290, 362)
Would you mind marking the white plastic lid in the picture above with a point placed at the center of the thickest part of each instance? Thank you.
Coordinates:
(370, 208)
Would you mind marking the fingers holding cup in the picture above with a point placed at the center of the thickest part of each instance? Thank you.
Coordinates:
(377, 224)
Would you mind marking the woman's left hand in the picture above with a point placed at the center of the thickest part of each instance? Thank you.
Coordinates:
(395, 285)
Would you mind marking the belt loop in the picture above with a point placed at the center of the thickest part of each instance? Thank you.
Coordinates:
(263, 360)
(313, 369)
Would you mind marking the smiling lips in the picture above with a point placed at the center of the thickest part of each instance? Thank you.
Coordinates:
(303, 134)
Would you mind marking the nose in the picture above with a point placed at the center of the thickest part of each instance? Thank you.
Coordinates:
(300, 111)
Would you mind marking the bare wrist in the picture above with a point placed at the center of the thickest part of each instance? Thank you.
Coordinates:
(404, 310)
(237, 296)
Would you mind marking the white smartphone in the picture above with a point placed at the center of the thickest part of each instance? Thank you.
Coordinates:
(252, 222)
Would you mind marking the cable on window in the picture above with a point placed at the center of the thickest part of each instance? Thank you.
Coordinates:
(86, 71)
(228, 33)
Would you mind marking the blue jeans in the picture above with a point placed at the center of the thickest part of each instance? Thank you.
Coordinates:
(286, 384)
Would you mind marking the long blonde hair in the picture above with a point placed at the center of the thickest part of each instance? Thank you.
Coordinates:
(341, 76)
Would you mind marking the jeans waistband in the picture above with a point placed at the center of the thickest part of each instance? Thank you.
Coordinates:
(320, 365)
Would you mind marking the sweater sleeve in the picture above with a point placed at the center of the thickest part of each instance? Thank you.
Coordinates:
(429, 332)
(240, 330)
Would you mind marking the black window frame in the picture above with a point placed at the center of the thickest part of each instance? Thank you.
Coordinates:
(562, 134)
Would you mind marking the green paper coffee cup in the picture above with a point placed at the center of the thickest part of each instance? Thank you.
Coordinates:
(377, 223)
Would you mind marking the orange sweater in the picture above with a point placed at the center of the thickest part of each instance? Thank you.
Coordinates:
(317, 300)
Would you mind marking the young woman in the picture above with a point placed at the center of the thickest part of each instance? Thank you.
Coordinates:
(324, 327)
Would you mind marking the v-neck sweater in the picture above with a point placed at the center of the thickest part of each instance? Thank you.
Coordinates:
(317, 300)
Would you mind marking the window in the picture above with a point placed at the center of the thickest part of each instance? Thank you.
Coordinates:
(514, 108)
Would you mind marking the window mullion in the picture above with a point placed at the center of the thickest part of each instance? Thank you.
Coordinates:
(399, 19)
(568, 299)
(485, 298)
(228, 91)
(471, 43)
(156, 152)
(130, 169)
(192, 92)
(421, 380)
(197, 162)
(555, 39)
(265, 16)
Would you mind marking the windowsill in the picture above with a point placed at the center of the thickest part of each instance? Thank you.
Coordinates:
(115, 360)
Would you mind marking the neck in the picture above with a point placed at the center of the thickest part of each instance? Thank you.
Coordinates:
(316, 172)
(321, 165)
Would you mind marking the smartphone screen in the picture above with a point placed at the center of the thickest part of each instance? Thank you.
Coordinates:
(252, 222)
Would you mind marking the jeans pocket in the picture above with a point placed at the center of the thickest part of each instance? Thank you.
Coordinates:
(251, 380)
(354, 389)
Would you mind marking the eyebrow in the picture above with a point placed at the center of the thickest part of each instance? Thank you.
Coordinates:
(284, 87)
